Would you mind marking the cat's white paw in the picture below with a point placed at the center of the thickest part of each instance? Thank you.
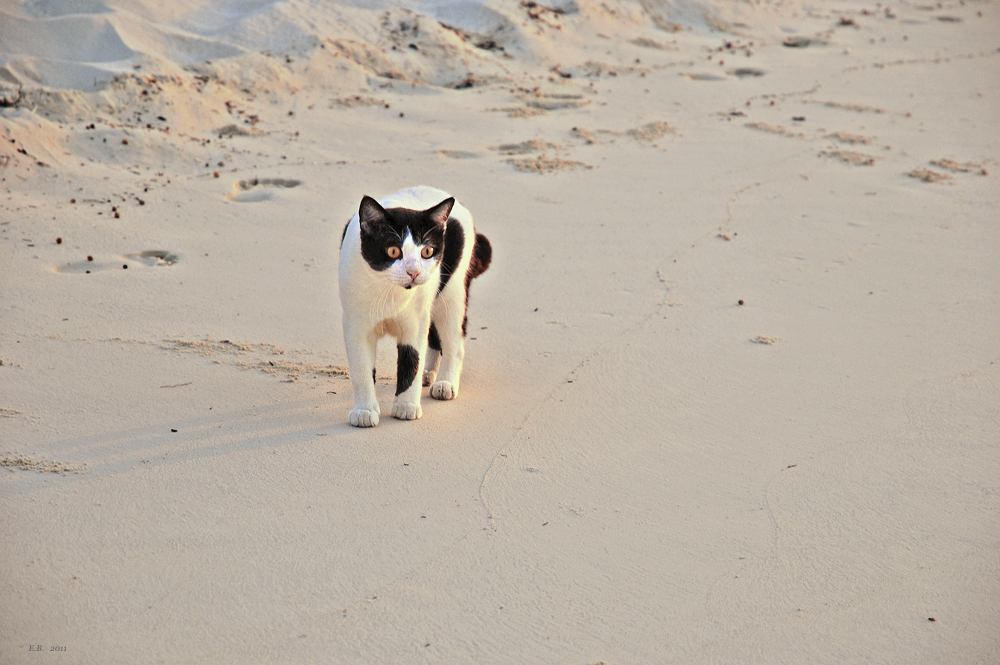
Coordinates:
(444, 390)
(429, 378)
(406, 411)
(364, 418)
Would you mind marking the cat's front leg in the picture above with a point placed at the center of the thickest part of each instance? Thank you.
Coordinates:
(361, 363)
(410, 350)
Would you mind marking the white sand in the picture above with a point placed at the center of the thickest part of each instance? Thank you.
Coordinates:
(627, 477)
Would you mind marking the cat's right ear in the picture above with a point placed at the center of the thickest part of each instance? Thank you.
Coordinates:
(371, 214)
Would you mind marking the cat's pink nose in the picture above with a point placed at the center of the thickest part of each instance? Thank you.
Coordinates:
(413, 273)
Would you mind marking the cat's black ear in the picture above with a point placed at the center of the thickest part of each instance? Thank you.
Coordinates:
(441, 212)
(371, 214)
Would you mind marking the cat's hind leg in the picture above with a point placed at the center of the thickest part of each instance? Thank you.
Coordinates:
(361, 364)
(433, 356)
(449, 319)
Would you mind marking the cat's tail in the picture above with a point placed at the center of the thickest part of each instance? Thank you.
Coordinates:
(482, 254)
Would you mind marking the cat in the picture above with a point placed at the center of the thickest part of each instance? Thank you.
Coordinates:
(405, 267)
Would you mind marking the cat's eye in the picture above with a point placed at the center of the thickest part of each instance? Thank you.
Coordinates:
(394, 252)
(427, 252)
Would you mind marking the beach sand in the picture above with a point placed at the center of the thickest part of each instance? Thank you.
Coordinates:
(731, 386)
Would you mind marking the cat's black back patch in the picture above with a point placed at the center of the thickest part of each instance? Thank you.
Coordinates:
(482, 255)
(454, 243)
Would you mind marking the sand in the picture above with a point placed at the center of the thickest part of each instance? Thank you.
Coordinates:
(731, 386)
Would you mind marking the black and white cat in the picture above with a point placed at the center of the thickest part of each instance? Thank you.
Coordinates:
(405, 267)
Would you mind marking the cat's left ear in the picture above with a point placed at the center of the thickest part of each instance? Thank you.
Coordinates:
(441, 212)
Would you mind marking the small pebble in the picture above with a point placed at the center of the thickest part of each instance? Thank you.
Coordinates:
(740, 302)
(58, 241)
(124, 141)
(125, 267)
(90, 258)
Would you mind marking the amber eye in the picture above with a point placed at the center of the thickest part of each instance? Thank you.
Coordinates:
(394, 252)
(427, 252)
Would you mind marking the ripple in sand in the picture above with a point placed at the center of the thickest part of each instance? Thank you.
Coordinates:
(776, 129)
(525, 147)
(259, 189)
(960, 167)
(230, 131)
(850, 157)
(25, 463)
(929, 175)
(544, 164)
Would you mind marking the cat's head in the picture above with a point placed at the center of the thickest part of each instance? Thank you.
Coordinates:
(405, 245)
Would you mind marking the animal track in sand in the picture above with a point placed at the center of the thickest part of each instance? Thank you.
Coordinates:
(259, 189)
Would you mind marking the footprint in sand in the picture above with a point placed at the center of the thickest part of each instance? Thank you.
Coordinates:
(259, 189)
(457, 154)
(152, 258)
(746, 72)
